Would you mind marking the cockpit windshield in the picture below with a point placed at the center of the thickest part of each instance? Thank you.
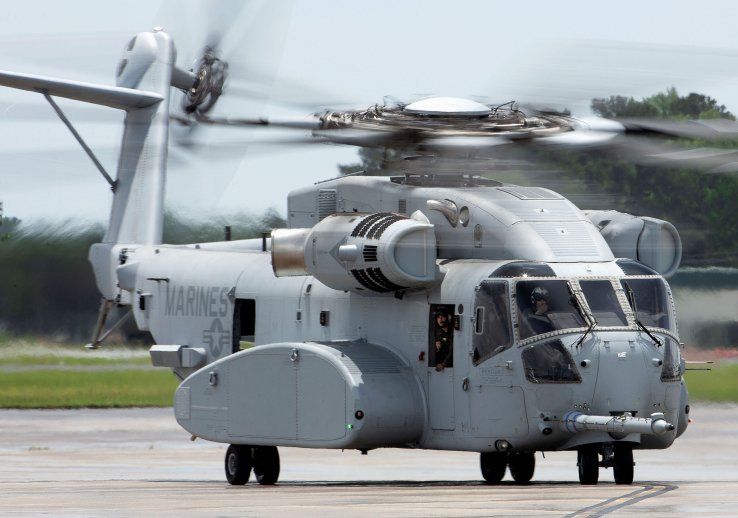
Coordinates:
(550, 305)
(603, 303)
(649, 302)
(544, 306)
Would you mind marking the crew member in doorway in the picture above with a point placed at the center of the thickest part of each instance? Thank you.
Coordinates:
(443, 342)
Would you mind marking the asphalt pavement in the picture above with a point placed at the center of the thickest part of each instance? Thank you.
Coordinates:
(137, 462)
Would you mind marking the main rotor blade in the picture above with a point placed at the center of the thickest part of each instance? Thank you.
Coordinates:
(648, 151)
(278, 122)
(709, 129)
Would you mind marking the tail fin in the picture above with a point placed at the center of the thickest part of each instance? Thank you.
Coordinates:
(143, 88)
(138, 205)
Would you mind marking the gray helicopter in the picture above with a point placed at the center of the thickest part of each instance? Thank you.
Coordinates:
(423, 310)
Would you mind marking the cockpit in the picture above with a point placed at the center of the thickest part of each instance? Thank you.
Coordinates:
(530, 307)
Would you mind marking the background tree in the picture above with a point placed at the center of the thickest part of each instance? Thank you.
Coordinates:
(666, 105)
(700, 204)
(47, 286)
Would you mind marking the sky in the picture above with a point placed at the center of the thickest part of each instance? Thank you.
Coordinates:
(320, 53)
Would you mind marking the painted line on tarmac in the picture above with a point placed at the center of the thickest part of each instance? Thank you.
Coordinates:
(619, 502)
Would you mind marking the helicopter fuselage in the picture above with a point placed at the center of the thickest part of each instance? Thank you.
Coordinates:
(354, 364)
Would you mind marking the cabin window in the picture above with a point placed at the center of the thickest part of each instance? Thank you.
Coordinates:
(603, 303)
(649, 301)
(544, 306)
(549, 362)
(492, 333)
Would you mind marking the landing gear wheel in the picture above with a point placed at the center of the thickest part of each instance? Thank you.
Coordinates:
(493, 466)
(266, 465)
(238, 462)
(522, 465)
(623, 463)
(589, 465)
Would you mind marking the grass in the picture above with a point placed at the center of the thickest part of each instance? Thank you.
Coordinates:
(32, 360)
(719, 384)
(86, 389)
(36, 374)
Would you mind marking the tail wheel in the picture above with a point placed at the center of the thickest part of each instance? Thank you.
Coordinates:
(238, 463)
(589, 465)
(493, 465)
(522, 465)
(266, 465)
(622, 467)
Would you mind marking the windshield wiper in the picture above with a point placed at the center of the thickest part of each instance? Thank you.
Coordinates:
(634, 307)
(587, 317)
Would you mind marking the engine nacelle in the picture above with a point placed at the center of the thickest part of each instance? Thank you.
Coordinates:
(364, 253)
(654, 242)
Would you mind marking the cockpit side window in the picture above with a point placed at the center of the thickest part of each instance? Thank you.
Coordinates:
(672, 369)
(544, 306)
(603, 303)
(492, 331)
(650, 301)
(549, 362)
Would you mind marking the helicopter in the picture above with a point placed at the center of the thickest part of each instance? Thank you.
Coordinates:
(429, 310)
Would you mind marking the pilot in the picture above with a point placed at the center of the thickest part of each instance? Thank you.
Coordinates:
(443, 342)
(538, 319)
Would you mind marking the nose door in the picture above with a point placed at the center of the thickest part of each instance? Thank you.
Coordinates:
(623, 383)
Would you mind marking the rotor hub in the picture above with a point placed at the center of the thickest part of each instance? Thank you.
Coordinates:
(211, 73)
(448, 107)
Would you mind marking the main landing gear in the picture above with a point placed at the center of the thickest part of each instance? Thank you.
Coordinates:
(618, 456)
(521, 464)
(241, 459)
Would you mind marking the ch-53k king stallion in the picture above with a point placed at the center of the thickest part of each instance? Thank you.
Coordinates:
(424, 310)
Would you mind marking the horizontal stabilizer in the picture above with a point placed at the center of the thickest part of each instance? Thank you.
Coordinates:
(111, 96)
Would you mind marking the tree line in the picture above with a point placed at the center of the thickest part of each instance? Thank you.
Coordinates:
(47, 286)
(702, 205)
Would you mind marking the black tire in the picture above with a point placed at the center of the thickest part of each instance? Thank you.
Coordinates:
(522, 466)
(238, 463)
(493, 465)
(622, 467)
(588, 463)
(266, 465)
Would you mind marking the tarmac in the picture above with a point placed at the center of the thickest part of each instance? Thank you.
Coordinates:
(138, 462)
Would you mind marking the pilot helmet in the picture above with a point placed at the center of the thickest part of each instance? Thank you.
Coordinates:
(539, 294)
